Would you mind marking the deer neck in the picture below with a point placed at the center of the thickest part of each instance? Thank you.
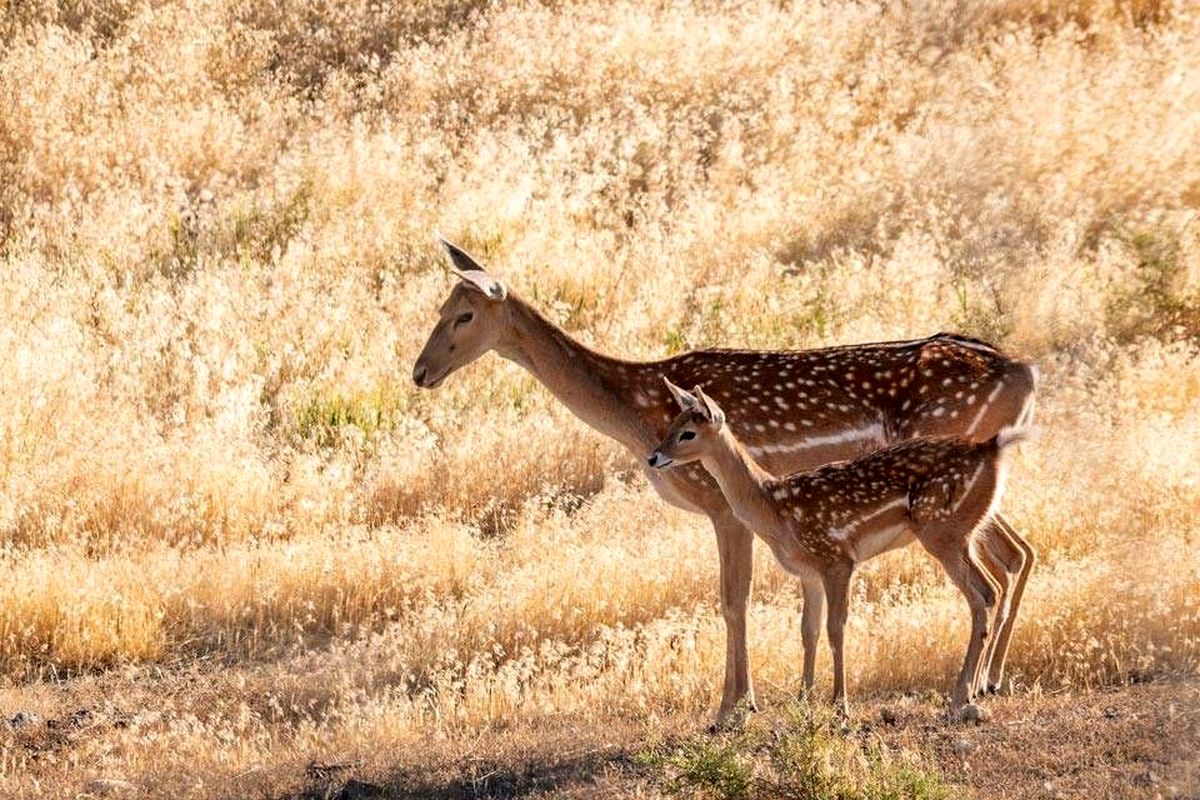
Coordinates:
(585, 381)
(744, 484)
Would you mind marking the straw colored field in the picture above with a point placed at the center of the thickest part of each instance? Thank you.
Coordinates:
(237, 539)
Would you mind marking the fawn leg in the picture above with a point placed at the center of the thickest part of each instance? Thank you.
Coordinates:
(836, 578)
(810, 627)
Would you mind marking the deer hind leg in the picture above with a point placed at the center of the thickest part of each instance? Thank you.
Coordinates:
(995, 555)
(1019, 567)
(951, 547)
(735, 547)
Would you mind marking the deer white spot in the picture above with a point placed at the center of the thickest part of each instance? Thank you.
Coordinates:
(937, 412)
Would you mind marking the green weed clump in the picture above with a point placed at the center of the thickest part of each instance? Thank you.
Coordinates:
(806, 755)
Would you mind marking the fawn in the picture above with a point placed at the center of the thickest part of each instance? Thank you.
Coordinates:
(822, 523)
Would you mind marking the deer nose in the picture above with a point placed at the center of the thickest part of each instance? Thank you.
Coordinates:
(419, 372)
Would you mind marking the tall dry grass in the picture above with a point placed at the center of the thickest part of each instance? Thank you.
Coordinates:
(216, 233)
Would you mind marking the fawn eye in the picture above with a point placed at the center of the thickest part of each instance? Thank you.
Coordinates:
(685, 435)
(464, 318)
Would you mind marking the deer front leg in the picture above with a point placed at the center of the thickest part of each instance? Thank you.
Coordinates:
(836, 578)
(735, 547)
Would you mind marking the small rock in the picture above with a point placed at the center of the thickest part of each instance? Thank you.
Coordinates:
(23, 719)
(964, 748)
(1147, 778)
(111, 787)
(80, 717)
(973, 713)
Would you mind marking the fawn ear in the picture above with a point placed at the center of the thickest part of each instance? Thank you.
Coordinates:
(711, 409)
(686, 400)
(471, 273)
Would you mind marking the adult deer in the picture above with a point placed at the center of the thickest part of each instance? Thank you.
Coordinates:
(822, 523)
(794, 410)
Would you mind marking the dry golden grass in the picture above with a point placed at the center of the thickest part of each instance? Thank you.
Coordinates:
(236, 533)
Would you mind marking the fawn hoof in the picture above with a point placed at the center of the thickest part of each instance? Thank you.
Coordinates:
(733, 719)
(971, 713)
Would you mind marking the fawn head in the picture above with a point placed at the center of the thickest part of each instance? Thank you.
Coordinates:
(469, 325)
(691, 434)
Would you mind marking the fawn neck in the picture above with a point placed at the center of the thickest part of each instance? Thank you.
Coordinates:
(744, 484)
(585, 381)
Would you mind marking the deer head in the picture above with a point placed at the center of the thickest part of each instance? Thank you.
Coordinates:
(470, 321)
(691, 434)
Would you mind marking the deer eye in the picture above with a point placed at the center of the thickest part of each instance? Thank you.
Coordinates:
(685, 435)
(464, 318)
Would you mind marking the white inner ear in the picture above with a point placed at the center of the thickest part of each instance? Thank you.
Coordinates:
(478, 279)
(686, 400)
(711, 408)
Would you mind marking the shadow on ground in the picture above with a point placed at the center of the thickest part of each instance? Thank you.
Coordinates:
(478, 779)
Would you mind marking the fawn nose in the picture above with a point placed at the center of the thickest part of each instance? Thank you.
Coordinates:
(419, 372)
(658, 460)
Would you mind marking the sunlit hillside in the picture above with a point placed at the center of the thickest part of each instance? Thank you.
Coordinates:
(244, 556)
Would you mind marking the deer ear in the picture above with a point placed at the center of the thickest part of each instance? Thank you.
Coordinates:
(685, 399)
(481, 281)
(711, 409)
(472, 274)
